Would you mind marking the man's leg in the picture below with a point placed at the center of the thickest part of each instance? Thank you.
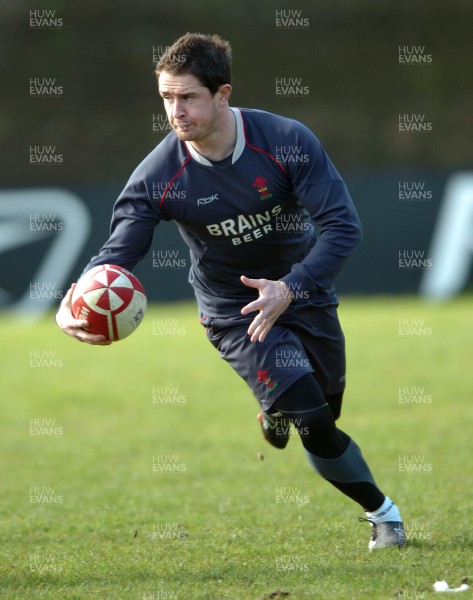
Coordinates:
(335, 403)
(297, 393)
(337, 457)
(275, 427)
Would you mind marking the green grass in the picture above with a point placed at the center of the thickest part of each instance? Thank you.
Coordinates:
(99, 536)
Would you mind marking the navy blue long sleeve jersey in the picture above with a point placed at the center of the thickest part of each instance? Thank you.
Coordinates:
(250, 214)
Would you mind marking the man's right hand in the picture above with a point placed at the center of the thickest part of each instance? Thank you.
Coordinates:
(76, 328)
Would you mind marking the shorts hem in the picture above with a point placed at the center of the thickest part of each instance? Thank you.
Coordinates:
(268, 402)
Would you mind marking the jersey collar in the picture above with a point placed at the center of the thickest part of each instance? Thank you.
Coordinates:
(239, 146)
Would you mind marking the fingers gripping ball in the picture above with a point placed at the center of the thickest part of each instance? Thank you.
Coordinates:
(111, 299)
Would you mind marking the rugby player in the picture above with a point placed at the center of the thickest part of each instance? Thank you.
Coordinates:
(245, 188)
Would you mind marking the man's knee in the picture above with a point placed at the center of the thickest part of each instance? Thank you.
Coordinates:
(312, 415)
(335, 403)
(318, 431)
(316, 426)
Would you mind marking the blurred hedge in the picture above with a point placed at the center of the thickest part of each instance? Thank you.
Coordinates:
(348, 56)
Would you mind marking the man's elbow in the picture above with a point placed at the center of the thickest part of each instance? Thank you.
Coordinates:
(358, 233)
(355, 234)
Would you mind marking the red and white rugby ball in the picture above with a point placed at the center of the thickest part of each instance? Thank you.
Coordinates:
(111, 299)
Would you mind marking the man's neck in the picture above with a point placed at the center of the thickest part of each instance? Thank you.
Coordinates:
(222, 142)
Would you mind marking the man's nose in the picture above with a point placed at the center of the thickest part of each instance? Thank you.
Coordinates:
(177, 110)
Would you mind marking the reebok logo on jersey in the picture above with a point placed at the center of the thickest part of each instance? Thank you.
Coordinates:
(201, 201)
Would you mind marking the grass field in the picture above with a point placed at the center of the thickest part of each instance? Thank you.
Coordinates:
(137, 471)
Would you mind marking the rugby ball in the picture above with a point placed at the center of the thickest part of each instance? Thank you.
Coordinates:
(111, 299)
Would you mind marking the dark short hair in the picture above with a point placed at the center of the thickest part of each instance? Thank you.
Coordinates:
(207, 57)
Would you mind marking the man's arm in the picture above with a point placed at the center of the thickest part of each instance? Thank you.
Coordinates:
(320, 189)
(134, 219)
(133, 222)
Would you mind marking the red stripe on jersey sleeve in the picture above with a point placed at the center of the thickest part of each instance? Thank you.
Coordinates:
(256, 149)
(168, 187)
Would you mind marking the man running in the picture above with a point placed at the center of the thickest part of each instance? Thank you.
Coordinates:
(254, 184)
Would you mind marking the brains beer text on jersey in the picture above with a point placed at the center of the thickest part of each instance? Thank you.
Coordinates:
(245, 228)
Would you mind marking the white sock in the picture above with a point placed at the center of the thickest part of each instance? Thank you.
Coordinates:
(388, 511)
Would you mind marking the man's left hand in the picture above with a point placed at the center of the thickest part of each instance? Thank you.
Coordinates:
(274, 298)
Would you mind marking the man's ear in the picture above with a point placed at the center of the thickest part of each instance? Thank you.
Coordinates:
(225, 91)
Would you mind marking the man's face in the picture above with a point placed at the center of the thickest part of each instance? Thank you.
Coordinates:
(192, 111)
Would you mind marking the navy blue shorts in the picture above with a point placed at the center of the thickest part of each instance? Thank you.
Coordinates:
(305, 339)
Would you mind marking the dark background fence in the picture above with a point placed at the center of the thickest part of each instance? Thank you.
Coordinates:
(78, 85)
